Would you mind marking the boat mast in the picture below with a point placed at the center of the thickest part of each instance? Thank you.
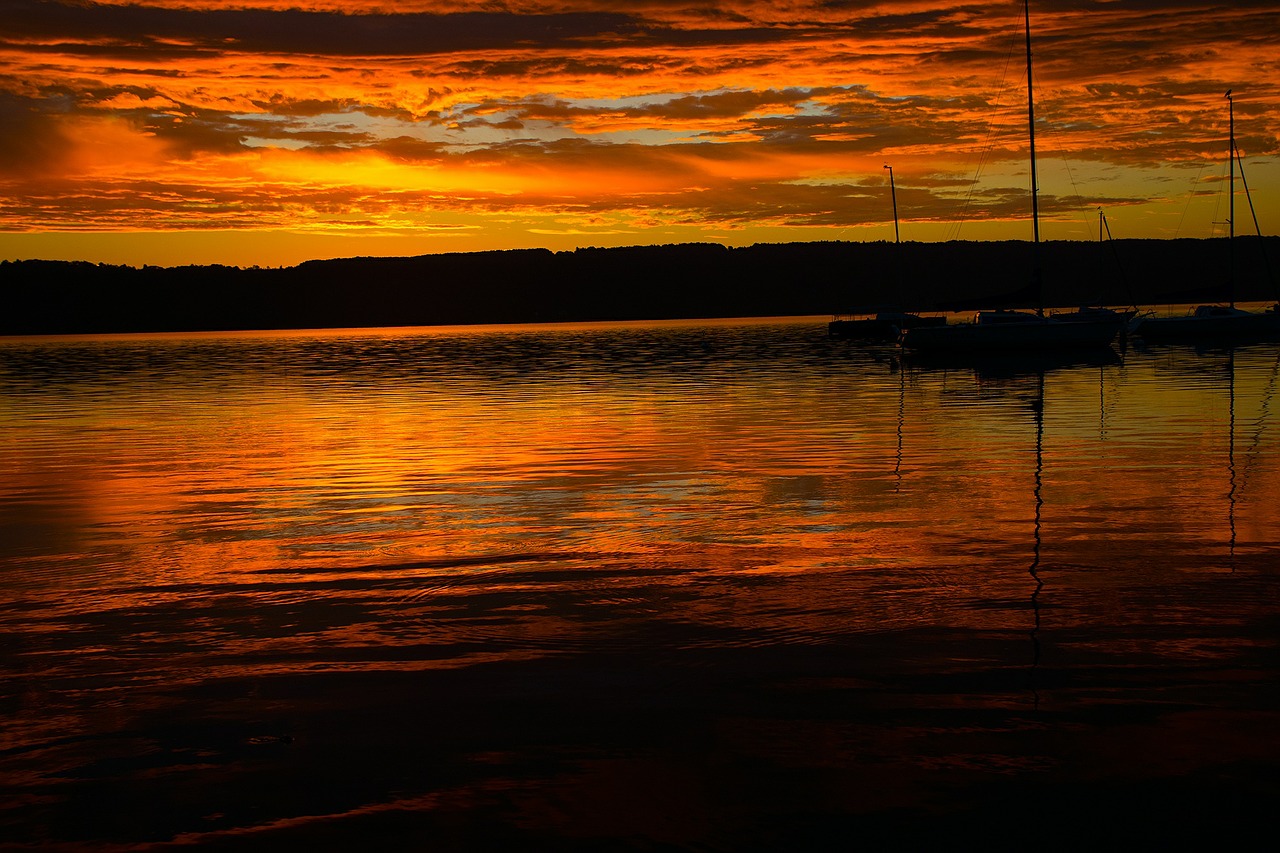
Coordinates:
(893, 193)
(1035, 188)
(1231, 200)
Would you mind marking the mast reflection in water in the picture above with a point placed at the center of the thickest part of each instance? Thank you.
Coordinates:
(727, 585)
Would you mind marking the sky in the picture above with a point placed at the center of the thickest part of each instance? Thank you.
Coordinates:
(270, 132)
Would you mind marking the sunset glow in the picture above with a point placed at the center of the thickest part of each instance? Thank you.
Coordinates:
(270, 132)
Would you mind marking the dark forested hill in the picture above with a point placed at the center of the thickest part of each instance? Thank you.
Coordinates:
(633, 283)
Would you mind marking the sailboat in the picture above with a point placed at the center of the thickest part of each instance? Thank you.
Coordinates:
(1097, 310)
(1022, 330)
(884, 323)
(1225, 322)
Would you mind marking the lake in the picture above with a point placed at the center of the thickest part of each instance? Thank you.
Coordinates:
(715, 585)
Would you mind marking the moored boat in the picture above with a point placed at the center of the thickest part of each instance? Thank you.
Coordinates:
(1023, 330)
(1217, 322)
(1016, 330)
(1212, 322)
(880, 326)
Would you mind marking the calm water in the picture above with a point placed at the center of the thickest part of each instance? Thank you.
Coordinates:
(705, 585)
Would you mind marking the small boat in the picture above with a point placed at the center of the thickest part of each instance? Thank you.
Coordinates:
(1090, 313)
(1217, 322)
(1016, 330)
(1096, 310)
(885, 323)
(880, 326)
(1004, 330)
(1212, 322)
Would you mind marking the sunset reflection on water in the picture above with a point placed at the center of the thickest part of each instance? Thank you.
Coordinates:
(476, 584)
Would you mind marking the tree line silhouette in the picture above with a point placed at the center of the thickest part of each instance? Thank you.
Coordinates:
(696, 280)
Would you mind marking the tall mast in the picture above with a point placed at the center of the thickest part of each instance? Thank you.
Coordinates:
(1035, 187)
(1231, 200)
(894, 195)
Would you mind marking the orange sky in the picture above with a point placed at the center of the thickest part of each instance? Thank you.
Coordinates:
(273, 131)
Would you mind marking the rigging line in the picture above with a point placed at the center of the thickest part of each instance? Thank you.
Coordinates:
(1115, 254)
(986, 149)
(1075, 191)
(1217, 208)
(1248, 198)
(1046, 131)
(1266, 261)
(1191, 194)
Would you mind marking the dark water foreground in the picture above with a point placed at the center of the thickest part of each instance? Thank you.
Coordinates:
(726, 587)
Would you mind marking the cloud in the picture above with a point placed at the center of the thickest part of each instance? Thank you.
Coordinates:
(164, 32)
(32, 142)
(162, 113)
